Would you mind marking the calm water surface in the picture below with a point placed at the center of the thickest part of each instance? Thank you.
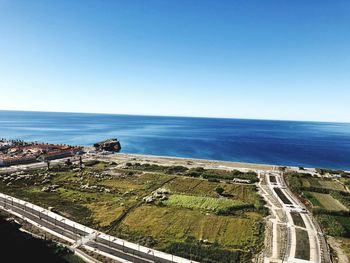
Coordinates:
(310, 144)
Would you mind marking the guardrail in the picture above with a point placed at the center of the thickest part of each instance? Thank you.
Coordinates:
(89, 231)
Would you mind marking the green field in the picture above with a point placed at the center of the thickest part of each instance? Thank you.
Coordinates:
(168, 224)
(322, 183)
(198, 187)
(203, 203)
(110, 198)
(327, 202)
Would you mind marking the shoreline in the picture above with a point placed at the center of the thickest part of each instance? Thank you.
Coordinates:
(238, 163)
(40, 151)
(229, 164)
(216, 164)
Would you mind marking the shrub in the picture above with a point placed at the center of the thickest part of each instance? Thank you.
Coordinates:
(331, 226)
(219, 190)
(213, 180)
(178, 169)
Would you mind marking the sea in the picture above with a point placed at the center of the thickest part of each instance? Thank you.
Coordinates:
(287, 143)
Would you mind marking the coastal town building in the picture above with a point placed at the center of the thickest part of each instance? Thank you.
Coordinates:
(16, 152)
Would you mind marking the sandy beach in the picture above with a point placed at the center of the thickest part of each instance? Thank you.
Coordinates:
(188, 162)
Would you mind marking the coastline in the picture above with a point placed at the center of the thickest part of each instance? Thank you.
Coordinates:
(237, 164)
(206, 163)
(197, 161)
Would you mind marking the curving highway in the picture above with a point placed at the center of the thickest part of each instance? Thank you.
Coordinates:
(296, 236)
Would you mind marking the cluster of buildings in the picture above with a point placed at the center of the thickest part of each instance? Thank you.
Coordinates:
(14, 152)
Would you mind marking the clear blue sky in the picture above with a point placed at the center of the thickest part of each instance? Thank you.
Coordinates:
(242, 59)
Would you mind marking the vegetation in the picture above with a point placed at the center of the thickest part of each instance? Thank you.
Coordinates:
(311, 198)
(219, 206)
(323, 171)
(198, 172)
(327, 199)
(300, 182)
(206, 213)
(219, 190)
(294, 181)
(331, 225)
(174, 224)
(197, 187)
(343, 197)
(316, 183)
(196, 250)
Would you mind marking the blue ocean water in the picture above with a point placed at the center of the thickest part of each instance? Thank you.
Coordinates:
(309, 144)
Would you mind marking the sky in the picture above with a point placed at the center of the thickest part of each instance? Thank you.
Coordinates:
(281, 59)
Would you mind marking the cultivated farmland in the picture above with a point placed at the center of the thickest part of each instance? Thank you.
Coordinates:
(327, 202)
(192, 219)
(322, 183)
(217, 205)
(169, 224)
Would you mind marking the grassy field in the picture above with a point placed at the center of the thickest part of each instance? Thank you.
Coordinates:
(193, 186)
(326, 201)
(110, 198)
(203, 203)
(311, 198)
(198, 187)
(168, 224)
(322, 183)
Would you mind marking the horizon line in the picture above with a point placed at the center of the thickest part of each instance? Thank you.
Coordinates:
(177, 116)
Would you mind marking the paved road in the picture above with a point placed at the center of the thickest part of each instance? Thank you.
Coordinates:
(68, 231)
(287, 205)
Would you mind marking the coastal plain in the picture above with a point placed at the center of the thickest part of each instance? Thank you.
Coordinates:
(199, 210)
(189, 209)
